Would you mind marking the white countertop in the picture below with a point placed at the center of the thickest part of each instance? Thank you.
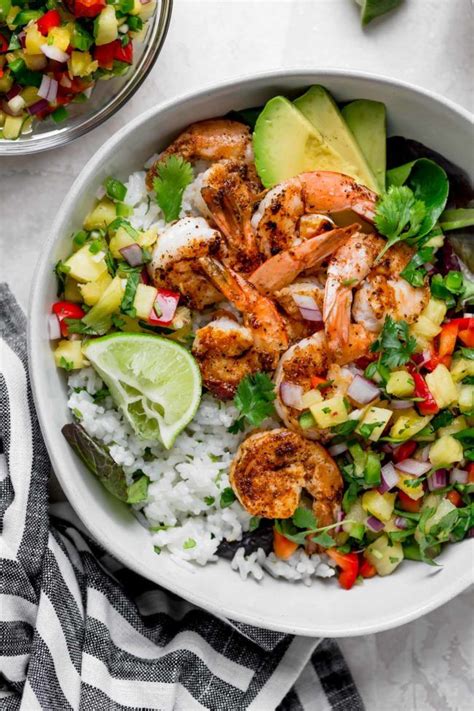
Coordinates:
(426, 665)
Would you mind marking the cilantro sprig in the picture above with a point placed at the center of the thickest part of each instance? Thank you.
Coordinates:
(173, 176)
(254, 399)
(399, 216)
(415, 271)
(394, 343)
(302, 524)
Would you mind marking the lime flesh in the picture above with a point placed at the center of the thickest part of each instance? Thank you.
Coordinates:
(155, 382)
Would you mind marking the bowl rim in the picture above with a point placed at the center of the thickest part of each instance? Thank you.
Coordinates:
(160, 25)
(446, 592)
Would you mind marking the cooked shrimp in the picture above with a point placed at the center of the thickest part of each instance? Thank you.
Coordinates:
(277, 218)
(271, 469)
(260, 341)
(212, 140)
(175, 262)
(308, 358)
(229, 190)
(283, 268)
(381, 290)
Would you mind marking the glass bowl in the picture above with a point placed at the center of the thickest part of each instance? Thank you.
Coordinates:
(107, 97)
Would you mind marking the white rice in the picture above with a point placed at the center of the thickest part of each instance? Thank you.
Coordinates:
(183, 508)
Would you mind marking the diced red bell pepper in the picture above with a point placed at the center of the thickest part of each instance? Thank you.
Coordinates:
(349, 565)
(470, 473)
(467, 337)
(123, 54)
(463, 323)
(317, 381)
(66, 309)
(282, 546)
(437, 360)
(1, 72)
(409, 504)
(50, 19)
(104, 54)
(428, 405)
(164, 309)
(3, 44)
(88, 8)
(455, 498)
(404, 451)
(367, 570)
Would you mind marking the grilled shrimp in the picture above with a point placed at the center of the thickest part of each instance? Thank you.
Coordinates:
(212, 140)
(175, 262)
(277, 218)
(227, 351)
(272, 468)
(311, 357)
(380, 289)
(229, 190)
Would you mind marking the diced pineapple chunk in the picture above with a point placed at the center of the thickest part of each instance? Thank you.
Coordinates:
(106, 26)
(120, 240)
(102, 215)
(33, 40)
(379, 505)
(384, 555)
(356, 517)
(445, 506)
(375, 415)
(148, 238)
(442, 386)
(400, 384)
(445, 451)
(425, 328)
(408, 425)
(81, 64)
(93, 290)
(12, 127)
(30, 95)
(68, 355)
(72, 291)
(144, 299)
(312, 397)
(330, 412)
(413, 490)
(99, 317)
(83, 267)
(466, 398)
(60, 37)
(461, 368)
(435, 311)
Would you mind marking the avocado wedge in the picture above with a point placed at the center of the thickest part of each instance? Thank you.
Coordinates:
(318, 106)
(287, 144)
(367, 121)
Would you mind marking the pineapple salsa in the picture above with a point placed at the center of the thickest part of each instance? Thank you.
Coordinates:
(52, 53)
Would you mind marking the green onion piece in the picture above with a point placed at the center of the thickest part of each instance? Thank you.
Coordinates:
(60, 114)
(115, 189)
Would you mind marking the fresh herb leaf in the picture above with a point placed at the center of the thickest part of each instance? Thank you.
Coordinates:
(190, 543)
(447, 288)
(209, 500)
(415, 272)
(394, 343)
(442, 419)
(254, 523)
(227, 497)
(66, 364)
(138, 491)
(324, 540)
(75, 325)
(101, 394)
(304, 518)
(126, 306)
(399, 216)
(367, 429)
(350, 496)
(173, 176)
(467, 353)
(254, 399)
(371, 9)
(61, 270)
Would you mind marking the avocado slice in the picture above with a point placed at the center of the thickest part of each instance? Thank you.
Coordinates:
(286, 144)
(321, 110)
(368, 122)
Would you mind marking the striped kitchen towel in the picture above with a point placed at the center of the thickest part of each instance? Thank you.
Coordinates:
(78, 631)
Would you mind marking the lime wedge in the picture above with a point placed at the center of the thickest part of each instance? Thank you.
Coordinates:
(154, 381)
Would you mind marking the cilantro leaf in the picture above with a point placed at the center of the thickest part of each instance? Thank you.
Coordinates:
(304, 518)
(324, 540)
(173, 176)
(126, 306)
(415, 272)
(467, 353)
(254, 398)
(394, 343)
(138, 491)
(447, 288)
(227, 497)
(399, 215)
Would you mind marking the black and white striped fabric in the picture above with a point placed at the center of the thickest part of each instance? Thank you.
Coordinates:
(78, 631)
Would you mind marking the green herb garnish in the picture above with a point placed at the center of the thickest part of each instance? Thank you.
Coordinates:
(254, 399)
(173, 176)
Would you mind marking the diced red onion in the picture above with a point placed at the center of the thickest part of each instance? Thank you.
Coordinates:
(144, 2)
(52, 52)
(16, 88)
(429, 267)
(37, 107)
(100, 192)
(387, 448)
(414, 467)
(425, 453)
(48, 88)
(354, 369)
(362, 390)
(390, 478)
(401, 522)
(291, 395)
(6, 109)
(311, 315)
(437, 480)
(458, 476)
(401, 404)
(340, 518)
(468, 315)
(308, 307)
(144, 277)
(374, 524)
(337, 449)
(471, 533)
(54, 329)
(132, 254)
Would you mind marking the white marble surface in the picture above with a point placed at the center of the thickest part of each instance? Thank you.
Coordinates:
(426, 665)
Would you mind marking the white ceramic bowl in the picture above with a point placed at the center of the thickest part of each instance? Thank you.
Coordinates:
(323, 609)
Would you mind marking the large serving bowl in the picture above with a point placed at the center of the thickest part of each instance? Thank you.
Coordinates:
(325, 608)
(106, 99)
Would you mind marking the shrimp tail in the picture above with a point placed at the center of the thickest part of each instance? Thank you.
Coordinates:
(337, 317)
